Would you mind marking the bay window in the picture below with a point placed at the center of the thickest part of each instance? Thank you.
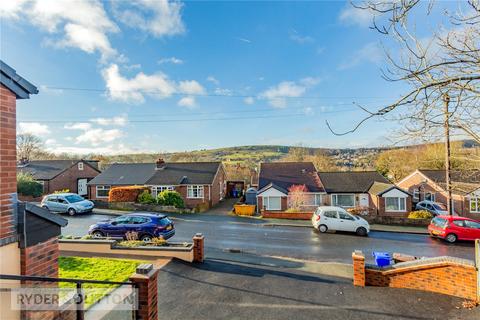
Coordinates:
(395, 204)
(157, 189)
(343, 200)
(273, 203)
(195, 192)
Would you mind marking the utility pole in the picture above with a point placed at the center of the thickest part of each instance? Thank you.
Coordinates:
(446, 100)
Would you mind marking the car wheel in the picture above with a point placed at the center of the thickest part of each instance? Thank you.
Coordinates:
(71, 212)
(97, 234)
(146, 238)
(361, 231)
(451, 238)
(322, 228)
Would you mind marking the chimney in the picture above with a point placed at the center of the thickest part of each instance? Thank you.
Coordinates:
(160, 164)
(23, 162)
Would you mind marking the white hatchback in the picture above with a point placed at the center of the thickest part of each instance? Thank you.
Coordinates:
(337, 219)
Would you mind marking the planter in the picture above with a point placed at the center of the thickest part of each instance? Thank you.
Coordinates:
(134, 206)
(112, 248)
(287, 215)
(397, 221)
(244, 209)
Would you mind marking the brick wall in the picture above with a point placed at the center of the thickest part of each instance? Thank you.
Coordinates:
(8, 161)
(147, 295)
(448, 276)
(287, 215)
(198, 248)
(40, 259)
(69, 178)
(192, 203)
(216, 188)
(381, 208)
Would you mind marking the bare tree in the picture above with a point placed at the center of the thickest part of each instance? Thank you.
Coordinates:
(28, 145)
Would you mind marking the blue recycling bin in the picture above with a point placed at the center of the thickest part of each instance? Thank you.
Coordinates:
(382, 259)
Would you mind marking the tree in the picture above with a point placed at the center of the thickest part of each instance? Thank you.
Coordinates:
(297, 197)
(27, 145)
(321, 161)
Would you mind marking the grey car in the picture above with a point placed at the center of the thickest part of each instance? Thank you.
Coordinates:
(70, 203)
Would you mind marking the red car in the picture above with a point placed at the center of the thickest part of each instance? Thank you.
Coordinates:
(454, 228)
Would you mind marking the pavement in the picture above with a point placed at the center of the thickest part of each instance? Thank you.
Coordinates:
(229, 290)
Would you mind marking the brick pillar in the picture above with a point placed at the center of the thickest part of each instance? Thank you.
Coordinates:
(198, 248)
(147, 294)
(358, 268)
(8, 167)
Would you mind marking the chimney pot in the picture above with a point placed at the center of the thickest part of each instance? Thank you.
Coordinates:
(160, 164)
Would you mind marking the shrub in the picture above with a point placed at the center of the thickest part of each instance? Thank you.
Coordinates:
(145, 197)
(125, 194)
(27, 186)
(170, 198)
(62, 191)
(420, 214)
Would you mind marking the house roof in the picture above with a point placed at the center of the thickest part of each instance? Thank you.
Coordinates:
(18, 85)
(49, 169)
(286, 174)
(45, 214)
(379, 188)
(274, 186)
(350, 182)
(174, 173)
(463, 182)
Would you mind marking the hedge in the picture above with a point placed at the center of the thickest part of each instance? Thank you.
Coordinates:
(420, 214)
(125, 194)
(170, 198)
(27, 186)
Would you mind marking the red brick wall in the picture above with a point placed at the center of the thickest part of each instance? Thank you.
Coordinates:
(147, 294)
(8, 163)
(381, 208)
(40, 259)
(216, 189)
(287, 215)
(445, 277)
(192, 203)
(69, 178)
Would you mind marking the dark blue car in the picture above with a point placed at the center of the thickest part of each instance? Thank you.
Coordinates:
(146, 225)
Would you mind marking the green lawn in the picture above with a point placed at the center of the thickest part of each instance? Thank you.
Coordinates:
(95, 269)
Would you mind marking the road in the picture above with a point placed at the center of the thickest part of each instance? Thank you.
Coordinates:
(223, 233)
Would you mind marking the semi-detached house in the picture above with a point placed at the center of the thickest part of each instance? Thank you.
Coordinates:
(199, 183)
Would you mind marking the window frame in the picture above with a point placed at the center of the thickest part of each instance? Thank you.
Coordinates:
(335, 202)
(155, 189)
(416, 195)
(102, 188)
(80, 166)
(400, 200)
(475, 200)
(200, 190)
(267, 203)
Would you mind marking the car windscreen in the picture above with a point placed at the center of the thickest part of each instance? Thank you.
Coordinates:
(439, 222)
(164, 222)
(440, 206)
(74, 198)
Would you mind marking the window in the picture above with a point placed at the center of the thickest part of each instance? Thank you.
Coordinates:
(459, 223)
(139, 220)
(273, 203)
(330, 214)
(157, 189)
(416, 195)
(80, 166)
(318, 199)
(343, 200)
(195, 192)
(102, 191)
(475, 204)
(429, 196)
(472, 224)
(395, 204)
(123, 220)
(345, 216)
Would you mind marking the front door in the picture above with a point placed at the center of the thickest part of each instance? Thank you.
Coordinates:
(363, 200)
(82, 187)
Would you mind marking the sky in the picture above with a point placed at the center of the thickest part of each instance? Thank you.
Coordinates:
(162, 76)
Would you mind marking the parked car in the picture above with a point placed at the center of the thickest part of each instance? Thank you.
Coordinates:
(146, 225)
(434, 208)
(453, 228)
(70, 203)
(335, 218)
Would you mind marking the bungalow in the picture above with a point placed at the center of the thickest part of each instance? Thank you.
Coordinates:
(365, 191)
(61, 174)
(430, 185)
(198, 182)
(276, 179)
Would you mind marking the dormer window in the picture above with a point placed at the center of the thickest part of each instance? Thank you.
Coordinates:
(80, 166)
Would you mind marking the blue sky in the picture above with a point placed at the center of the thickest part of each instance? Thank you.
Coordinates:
(154, 75)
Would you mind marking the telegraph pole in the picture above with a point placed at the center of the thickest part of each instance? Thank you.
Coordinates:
(446, 100)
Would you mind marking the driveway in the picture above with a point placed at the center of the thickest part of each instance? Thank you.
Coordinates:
(225, 290)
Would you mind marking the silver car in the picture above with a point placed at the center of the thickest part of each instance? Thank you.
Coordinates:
(70, 203)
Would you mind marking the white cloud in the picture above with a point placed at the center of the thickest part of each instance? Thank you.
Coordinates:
(223, 92)
(78, 126)
(157, 17)
(354, 16)
(81, 24)
(301, 39)
(371, 53)
(34, 128)
(49, 142)
(110, 149)
(213, 80)
(188, 102)
(97, 136)
(277, 95)
(115, 121)
(244, 40)
(249, 100)
(190, 87)
(172, 60)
